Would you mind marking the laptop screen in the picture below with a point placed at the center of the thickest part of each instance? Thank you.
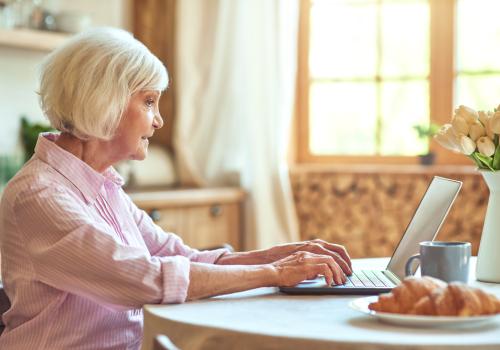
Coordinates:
(426, 221)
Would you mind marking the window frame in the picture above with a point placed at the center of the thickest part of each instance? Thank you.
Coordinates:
(441, 89)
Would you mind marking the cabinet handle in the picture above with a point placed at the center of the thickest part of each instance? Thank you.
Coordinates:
(155, 215)
(215, 210)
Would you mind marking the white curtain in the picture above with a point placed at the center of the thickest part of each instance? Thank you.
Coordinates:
(235, 75)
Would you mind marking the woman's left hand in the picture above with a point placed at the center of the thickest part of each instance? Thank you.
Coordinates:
(270, 255)
(316, 246)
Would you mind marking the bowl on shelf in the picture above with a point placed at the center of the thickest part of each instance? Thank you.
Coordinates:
(72, 22)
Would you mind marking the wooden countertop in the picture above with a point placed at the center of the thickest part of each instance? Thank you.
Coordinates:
(185, 197)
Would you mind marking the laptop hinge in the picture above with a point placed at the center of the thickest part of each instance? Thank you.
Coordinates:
(394, 279)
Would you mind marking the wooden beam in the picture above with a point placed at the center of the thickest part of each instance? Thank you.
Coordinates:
(154, 25)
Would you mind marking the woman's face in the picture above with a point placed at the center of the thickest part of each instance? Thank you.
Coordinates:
(139, 121)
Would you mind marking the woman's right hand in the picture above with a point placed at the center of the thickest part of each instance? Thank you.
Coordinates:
(303, 265)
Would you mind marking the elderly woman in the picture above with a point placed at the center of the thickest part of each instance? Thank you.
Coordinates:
(79, 259)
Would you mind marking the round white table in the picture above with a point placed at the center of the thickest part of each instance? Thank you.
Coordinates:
(264, 318)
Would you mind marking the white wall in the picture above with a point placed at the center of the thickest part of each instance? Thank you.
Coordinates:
(19, 67)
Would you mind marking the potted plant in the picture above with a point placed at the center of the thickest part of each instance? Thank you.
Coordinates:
(426, 132)
(476, 134)
(29, 135)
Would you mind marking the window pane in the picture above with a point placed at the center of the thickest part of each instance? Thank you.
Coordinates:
(342, 39)
(342, 118)
(405, 38)
(478, 92)
(404, 105)
(478, 35)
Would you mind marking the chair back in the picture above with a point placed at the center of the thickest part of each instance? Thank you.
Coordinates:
(4, 306)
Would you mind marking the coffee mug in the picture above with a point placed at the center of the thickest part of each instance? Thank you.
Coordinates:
(448, 261)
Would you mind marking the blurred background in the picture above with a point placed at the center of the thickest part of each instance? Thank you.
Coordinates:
(285, 120)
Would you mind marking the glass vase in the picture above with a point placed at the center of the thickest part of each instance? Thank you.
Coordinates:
(488, 257)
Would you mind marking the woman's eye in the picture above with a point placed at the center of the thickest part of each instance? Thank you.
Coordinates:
(150, 102)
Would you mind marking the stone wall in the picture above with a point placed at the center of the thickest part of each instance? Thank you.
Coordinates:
(367, 209)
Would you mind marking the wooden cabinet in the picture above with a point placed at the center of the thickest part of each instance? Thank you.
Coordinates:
(204, 218)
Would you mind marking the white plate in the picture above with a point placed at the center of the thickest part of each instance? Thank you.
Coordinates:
(361, 305)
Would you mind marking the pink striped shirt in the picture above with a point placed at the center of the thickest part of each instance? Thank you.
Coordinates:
(79, 259)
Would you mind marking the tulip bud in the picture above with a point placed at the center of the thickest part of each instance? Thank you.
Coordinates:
(469, 114)
(495, 123)
(487, 126)
(467, 145)
(484, 117)
(460, 126)
(485, 146)
(476, 131)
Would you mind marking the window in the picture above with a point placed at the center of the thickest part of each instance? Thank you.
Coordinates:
(370, 70)
(478, 52)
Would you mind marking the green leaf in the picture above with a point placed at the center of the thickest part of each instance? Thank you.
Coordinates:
(487, 161)
(426, 130)
(476, 160)
(29, 134)
(496, 159)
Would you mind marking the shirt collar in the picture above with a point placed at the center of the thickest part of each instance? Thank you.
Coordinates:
(88, 181)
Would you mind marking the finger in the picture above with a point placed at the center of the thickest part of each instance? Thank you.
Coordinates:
(339, 249)
(340, 261)
(338, 275)
(322, 269)
(336, 248)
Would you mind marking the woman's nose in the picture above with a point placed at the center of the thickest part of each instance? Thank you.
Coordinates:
(157, 121)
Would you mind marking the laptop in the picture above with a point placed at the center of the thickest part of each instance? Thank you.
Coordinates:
(424, 226)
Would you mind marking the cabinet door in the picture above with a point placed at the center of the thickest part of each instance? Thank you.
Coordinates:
(214, 225)
(170, 220)
(201, 227)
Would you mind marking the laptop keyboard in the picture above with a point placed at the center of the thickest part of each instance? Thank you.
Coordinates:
(368, 278)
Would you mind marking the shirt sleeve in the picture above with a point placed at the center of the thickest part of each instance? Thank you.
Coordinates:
(70, 251)
(161, 243)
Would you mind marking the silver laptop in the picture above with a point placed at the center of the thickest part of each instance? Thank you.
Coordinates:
(424, 226)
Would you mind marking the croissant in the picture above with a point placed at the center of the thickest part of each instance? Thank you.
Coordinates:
(433, 297)
(402, 298)
(457, 299)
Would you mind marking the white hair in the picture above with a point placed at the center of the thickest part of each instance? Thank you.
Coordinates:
(85, 84)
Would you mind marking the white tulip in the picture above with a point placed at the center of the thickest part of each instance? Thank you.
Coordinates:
(467, 145)
(476, 131)
(495, 123)
(486, 146)
(487, 125)
(469, 114)
(454, 139)
(460, 125)
(484, 117)
(447, 138)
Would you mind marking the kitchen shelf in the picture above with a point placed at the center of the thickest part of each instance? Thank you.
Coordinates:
(30, 39)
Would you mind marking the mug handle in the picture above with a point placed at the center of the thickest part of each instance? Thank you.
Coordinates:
(409, 264)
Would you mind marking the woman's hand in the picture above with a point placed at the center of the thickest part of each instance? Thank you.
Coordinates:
(304, 265)
(318, 247)
(265, 256)
(211, 279)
